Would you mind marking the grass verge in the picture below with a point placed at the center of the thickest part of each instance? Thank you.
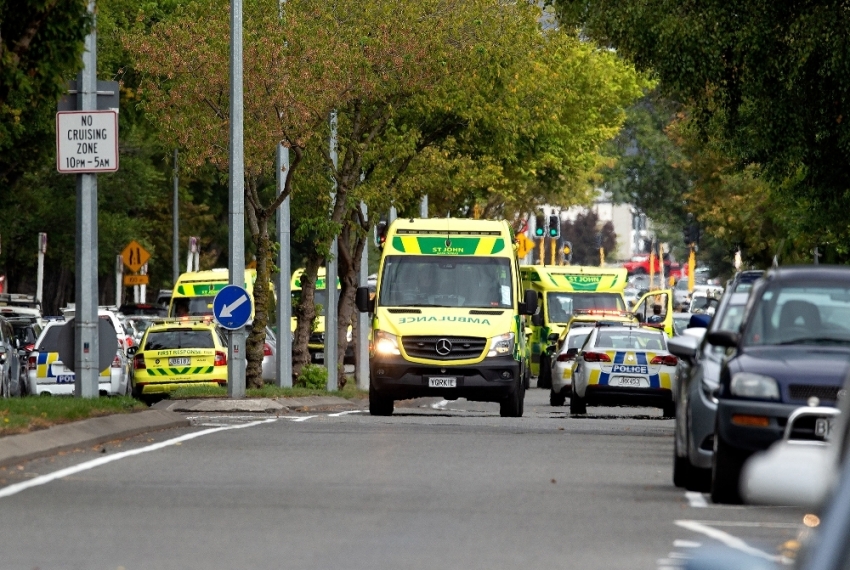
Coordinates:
(349, 392)
(20, 415)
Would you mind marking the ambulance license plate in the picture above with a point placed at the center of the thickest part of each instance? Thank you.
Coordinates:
(442, 382)
(185, 361)
(320, 356)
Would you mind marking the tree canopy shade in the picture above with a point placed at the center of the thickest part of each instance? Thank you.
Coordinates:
(41, 43)
(770, 81)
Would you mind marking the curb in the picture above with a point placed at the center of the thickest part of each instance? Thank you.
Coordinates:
(256, 405)
(64, 437)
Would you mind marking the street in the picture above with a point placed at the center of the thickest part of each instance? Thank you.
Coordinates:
(437, 485)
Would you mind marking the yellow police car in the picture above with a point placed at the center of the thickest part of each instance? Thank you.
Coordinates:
(624, 366)
(179, 353)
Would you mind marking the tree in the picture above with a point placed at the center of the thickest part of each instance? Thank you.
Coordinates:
(765, 80)
(584, 233)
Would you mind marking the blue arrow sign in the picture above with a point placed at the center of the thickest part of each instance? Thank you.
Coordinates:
(232, 307)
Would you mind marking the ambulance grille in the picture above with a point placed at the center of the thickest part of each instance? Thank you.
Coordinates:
(462, 347)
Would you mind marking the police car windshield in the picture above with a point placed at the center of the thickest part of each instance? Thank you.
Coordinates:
(562, 306)
(439, 281)
(165, 340)
(630, 340)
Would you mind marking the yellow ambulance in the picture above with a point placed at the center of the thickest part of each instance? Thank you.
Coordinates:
(316, 343)
(447, 319)
(194, 292)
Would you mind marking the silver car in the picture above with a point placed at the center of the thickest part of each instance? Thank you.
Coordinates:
(10, 366)
(696, 405)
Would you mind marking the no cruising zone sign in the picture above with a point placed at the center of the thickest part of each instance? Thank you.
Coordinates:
(86, 141)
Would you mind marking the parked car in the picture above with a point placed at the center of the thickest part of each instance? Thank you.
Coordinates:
(10, 366)
(47, 374)
(27, 330)
(562, 364)
(793, 349)
(699, 378)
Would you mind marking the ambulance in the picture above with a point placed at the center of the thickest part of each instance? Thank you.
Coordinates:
(448, 315)
(564, 292)
(194, 292)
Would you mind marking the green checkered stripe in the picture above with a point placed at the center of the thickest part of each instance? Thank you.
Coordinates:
(188, 370)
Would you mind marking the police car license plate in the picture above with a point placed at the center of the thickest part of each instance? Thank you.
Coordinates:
(442, 382)
(629, 382)
(65, 379)
(185, 361)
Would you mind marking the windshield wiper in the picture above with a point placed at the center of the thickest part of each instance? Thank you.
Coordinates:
(815, 340)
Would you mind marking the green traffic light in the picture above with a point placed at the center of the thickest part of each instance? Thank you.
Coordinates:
(538, 232)
(553, 232)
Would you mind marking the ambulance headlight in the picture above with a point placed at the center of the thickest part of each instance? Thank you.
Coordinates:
(386, 344)
(502, 345)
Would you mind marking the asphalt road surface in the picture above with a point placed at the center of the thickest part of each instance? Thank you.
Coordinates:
(437, 485)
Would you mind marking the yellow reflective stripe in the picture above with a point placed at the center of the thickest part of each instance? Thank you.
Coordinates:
(594, 377)
(411, 244)
(664, 380)
(485, 246)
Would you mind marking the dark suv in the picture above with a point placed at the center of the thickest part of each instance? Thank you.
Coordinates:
(792, 350)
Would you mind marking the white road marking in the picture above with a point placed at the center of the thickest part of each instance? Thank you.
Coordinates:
(44, 479)
(686, 544)
(728, 540)
(303, 418)
(336, 415)
(696, 500)
(441, 405)
(752, 524)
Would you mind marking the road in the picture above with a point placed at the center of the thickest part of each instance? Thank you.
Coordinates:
(437, 485)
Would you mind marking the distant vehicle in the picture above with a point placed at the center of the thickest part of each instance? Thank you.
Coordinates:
(48, 374)
(14, 305)
(639, 265)
(10, 361)
(562, 364)
(195, 291)
(26, 331)
(624, 366)
(144, 309)
(793, 350)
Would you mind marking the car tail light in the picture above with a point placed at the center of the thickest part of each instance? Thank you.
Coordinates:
(220, 358)
(267, 349)
(29, 347)
(139, 362)
(129, 342)
(116, 362)
(596, 357)
(668, 360)
(32, 363)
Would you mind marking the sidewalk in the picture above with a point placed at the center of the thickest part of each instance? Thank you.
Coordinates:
(163, 415)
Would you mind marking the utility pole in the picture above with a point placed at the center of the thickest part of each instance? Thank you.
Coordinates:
(175, 226)
(284, 304)
(236, 214)
(331, 311)
(363, 324)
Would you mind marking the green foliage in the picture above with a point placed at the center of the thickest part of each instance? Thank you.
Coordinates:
(313, 376)
(582, 233)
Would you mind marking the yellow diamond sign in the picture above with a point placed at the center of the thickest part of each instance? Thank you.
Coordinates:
(135, 256)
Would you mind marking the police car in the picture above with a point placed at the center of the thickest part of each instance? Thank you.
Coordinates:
(47, 374)
(628, 366)
(178, 353)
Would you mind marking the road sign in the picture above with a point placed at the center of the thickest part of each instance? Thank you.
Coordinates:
(108, 96)
(107, 344)
(86, 141)
(136, 280)
(232, 307)
(524, 245)
(134, 256)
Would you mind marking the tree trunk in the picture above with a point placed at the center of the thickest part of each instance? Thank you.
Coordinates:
(350, 252)
(305, 311)
(257, 339)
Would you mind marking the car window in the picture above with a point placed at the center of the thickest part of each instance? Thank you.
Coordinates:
(50, 341)
(576, 340)
(173, 339)
(631, 340)
(788, 314)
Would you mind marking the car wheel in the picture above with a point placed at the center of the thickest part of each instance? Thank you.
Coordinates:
(556, 398)
(379, 405)
(514, 405)
(544, 378)
(669, 410)
(726, 473)
(577, 404)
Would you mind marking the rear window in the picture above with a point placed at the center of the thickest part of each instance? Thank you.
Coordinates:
(634, 340)
(174, 339)
(50, 342)
(576, 340)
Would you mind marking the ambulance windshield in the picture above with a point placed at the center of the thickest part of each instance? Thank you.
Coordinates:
(431, 281)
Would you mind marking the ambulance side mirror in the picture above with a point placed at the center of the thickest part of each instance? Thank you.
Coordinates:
(529, 304)
(362, 300)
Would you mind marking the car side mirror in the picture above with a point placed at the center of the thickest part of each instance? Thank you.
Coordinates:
(362, 300)
(684, 346)
(553, 337)
(529, 304)
(726, 339)
(132, 350)
(537, 320)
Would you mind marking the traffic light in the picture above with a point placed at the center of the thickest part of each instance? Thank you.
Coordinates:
(554, 226)
(686, 234)
(540, 225)
(380, 234)
(568, 251)
(691, 233)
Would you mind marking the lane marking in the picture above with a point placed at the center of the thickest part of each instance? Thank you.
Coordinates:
(696, 500)
(752, 524)
(729, 540)
(336, 415)
(686, 544)
(440, 405)
(303, 419)
(85, 466)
